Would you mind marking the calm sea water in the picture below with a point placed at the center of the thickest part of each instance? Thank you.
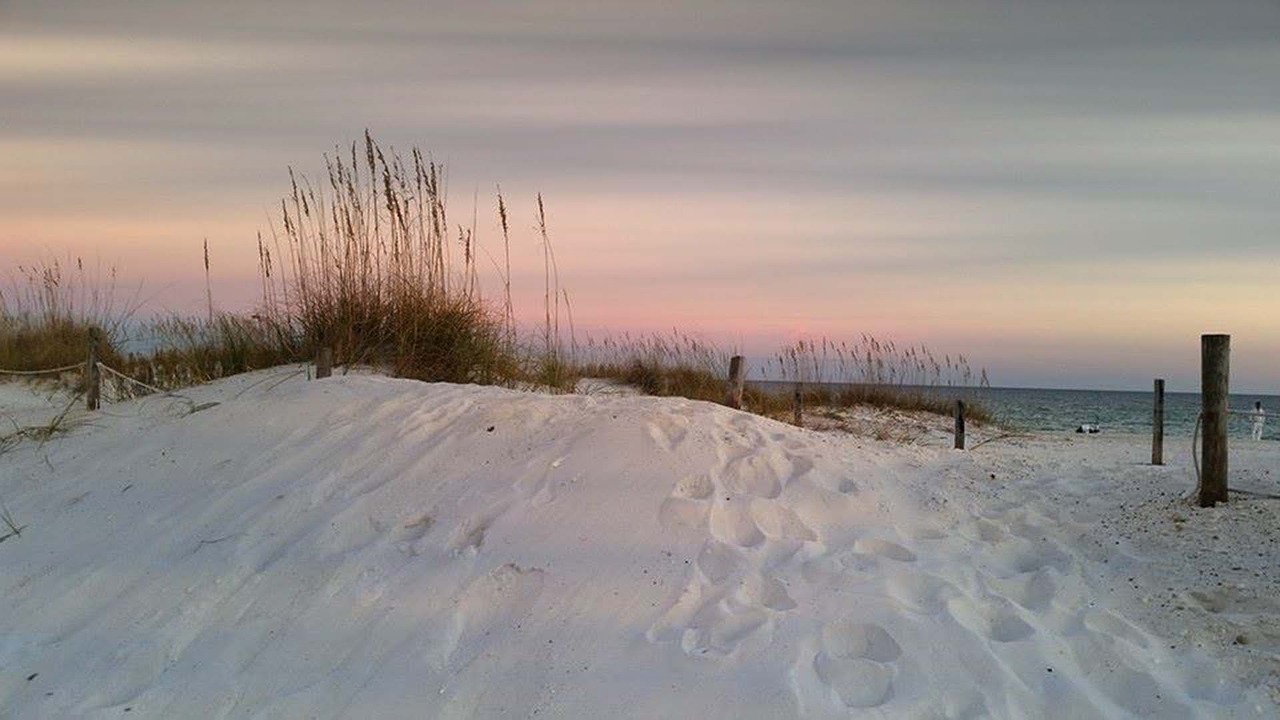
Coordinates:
(1112, 411)
(1115, 411)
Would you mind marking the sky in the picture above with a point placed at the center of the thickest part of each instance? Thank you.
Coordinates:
(1067, 192)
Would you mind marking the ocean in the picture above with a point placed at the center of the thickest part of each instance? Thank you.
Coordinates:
(1117, 411)
(1111, 411)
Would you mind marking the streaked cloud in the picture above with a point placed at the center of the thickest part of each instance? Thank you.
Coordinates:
(52, 58)
(998, 177)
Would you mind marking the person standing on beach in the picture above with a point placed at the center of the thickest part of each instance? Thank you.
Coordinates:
(1259, 419)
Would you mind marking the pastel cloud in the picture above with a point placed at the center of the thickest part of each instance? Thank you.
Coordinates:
(998, 178)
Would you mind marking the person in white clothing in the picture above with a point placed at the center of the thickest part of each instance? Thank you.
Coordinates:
(1259, 419)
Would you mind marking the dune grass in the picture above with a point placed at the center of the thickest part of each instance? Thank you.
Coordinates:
(830, 375)
(879, 373)
(676, 365)
(47, 310)
(366, 262)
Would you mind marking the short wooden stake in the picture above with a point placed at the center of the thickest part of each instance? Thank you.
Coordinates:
(959, 425)
(93, 378)
(1215, 360)
(799, 405)
(737, 379)
(324, 363)
(1157, 424)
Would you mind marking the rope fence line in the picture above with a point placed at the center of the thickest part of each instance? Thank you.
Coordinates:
(1195, 455)
(78, 366)
(103, 367)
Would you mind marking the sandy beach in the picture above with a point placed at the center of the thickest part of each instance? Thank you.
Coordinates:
(370, 547)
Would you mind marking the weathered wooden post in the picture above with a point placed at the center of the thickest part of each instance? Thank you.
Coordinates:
(324, 363)
(1157, 425)
(799, 405)
(1215, 357)
(959, 425)
(93, 378)
(737, 378)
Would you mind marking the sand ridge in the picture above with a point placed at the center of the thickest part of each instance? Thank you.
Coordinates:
(362, 546)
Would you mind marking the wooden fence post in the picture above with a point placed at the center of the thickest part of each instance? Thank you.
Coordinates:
(324, 363)
(1157, 424)
(737, 377)
(1215, 360)
(93, 384)
(959, 425)
(799, 405)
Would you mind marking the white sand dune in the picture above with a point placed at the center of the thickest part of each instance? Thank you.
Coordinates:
(366, 547)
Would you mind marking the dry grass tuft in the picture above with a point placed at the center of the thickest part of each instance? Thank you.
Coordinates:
(47, 310)
(369, 270)
(366, 262)
(879, 373)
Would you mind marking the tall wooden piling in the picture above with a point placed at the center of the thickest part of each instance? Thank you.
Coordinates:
(737, 380)
(959, 425)
(1157, 424)
(92, 376)
(324, 363)
(798, 405)
(1215, 357)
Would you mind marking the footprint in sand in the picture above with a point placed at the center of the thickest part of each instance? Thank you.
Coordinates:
(1015, 556)
(717, 562)
(695, 609)
(694, 487)
(708, 623)
(406, 535)
(724, 637)
(988, 621)
(918, 592)
(884, 549)
(926, 532)
(669, 431)
(757, 474)
(764, 591)
(780, 523)
(855, 662)
(731, 522)
(687, 506)
(849, 638)
(800, 466)
(1134, 690)
(682, 513)
(489, 607)
(1034, 591)
(469, 535)
(723, 605)
(980, 530)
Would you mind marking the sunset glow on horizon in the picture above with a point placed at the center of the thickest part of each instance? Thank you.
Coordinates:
(1068, 194)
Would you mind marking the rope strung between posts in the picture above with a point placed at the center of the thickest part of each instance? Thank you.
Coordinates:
(105, 368)
(275, 384)
(50, 371)
(1195, 456)
(1195, 437)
